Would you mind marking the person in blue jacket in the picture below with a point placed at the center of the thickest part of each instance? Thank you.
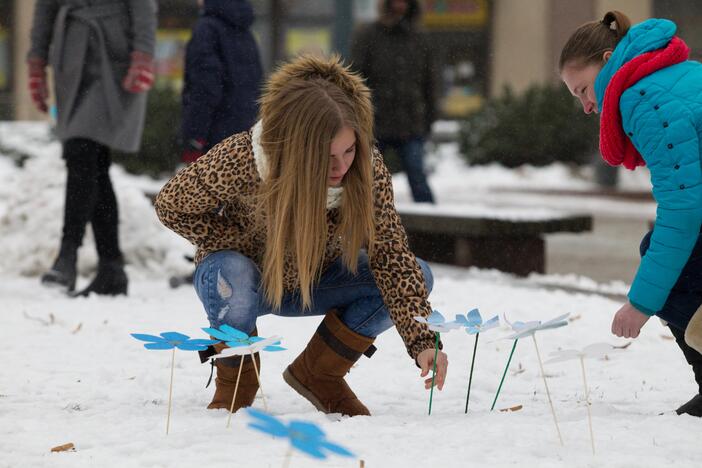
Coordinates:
(223, 76)
(649, 97)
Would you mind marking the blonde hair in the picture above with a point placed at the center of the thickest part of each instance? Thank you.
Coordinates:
(590, 41)
(304, 105)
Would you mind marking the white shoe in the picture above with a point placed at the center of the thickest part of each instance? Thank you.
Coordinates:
(693, 332)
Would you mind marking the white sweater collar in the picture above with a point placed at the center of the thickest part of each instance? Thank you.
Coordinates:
(261, 160)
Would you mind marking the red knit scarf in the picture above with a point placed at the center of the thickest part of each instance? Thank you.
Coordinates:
(615, 147)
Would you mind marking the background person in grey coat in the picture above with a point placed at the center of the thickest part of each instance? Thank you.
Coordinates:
(101, 54)
(394, 57)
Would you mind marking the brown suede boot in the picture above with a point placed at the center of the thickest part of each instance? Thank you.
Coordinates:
(318, 372)
(693, 332)
(227, 371)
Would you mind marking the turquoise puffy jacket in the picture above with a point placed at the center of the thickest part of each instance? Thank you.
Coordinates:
(662, 115)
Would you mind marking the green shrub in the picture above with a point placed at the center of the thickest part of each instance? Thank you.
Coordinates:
(160, 147)
(543, 125)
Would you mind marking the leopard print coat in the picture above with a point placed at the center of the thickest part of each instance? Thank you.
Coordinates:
(211, 204)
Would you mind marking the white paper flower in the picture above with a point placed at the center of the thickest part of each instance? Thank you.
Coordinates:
(524, 329)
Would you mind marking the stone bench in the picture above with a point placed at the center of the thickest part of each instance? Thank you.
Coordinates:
(510, 240)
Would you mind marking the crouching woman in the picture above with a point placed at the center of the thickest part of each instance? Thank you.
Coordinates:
(296, 217)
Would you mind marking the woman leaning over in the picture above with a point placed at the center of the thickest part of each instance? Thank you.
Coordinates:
(296, 217)
(649, 97)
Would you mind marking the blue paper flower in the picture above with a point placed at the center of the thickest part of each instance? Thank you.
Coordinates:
(235, 338)
(437, 322)
(473, 323)
(170, 340)
(304, 436)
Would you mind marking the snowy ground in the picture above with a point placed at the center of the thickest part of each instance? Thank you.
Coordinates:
(72, 373)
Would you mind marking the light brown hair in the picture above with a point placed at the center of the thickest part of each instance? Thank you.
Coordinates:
(304, 105)
(591, 40)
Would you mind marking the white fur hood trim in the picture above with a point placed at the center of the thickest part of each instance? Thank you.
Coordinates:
(333, 193)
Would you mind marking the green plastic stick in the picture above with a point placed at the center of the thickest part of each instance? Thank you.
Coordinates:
(472, 364)
(504, 375)
(433, 371)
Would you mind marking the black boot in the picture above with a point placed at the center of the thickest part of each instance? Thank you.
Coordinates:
(63, 273)
(81, 157)
(694, 406)
(111, 280)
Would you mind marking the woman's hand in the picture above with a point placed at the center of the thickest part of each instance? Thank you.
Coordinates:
(628, 321)
(426, 362)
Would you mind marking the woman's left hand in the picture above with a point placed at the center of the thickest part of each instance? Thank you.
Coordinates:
(628, 321)
(426, 362)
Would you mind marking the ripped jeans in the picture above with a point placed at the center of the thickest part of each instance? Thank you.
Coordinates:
(229, 286)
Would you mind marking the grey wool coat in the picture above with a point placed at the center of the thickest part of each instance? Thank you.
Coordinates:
(88, 45)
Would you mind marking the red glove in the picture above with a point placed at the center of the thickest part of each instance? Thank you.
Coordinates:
(193, 151)
(38, 88)
(140, 76)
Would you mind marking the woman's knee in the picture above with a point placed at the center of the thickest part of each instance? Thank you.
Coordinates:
(232, 296)
(428, 275)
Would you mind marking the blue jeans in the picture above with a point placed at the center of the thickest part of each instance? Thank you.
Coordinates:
(411, 153)
(229, 286)
(686, 295)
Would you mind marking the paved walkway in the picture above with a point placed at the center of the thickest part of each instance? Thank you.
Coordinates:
(609, 253)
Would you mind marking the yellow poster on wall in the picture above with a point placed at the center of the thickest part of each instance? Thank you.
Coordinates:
(4, 60)
(315, 41)
(455, 13)
(170, 57)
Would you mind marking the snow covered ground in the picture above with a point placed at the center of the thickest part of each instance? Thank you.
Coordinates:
(72, 373)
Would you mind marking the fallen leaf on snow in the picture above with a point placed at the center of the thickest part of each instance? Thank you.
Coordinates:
(69, 447)
(512, 408)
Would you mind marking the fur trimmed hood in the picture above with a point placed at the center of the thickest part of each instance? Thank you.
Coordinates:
(330, 69)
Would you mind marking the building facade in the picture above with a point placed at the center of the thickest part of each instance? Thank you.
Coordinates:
(481, 46)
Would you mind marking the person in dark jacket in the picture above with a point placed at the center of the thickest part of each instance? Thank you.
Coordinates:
(223, 76)
(394, 57)
(102, 61)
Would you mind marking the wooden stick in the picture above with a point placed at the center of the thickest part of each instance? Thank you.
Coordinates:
(288, 456)
(170, 393)
(548, 393)
(587, 403)
(265, 405)
(433, 372)
(236, 388)
(504, 374)
(472, 364)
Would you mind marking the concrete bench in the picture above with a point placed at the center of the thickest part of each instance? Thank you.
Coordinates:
(510, 240)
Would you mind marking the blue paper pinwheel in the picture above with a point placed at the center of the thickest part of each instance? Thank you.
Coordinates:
(304, 436)
(171, 340)
(236, 338)
(473, 322)
(437, 322)
(241, 344)
(474, 325)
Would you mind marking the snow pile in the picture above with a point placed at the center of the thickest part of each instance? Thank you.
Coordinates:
(31, 212)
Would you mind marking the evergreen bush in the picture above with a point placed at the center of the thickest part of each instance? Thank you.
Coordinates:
(543, 125)
(161, 146)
